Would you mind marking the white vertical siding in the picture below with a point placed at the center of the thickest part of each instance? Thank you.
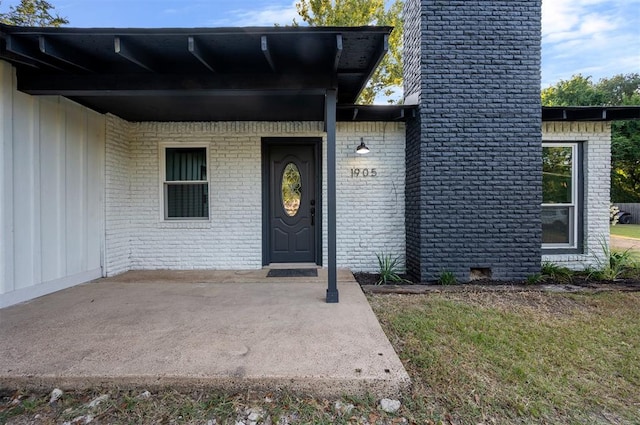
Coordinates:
(6, 178)
(52, 192)
(25, 154)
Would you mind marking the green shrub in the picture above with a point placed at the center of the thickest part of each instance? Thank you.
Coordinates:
(614, 264)
(389, 269)
(555, 272)
(447, 278)
(535, 279)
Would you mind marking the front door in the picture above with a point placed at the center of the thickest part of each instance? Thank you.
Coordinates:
(292, 212)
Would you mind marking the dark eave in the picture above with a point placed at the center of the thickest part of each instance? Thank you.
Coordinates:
(386, 113)
(590, 113)
(188, 74)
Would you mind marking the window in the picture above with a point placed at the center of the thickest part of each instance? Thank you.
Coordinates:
(185, 187)
(560, 182)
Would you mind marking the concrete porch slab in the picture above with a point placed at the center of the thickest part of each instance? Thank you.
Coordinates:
(232, 330)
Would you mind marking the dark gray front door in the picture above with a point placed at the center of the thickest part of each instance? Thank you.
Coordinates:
(292, 203)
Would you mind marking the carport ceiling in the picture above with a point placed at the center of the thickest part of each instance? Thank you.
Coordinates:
(196, 74)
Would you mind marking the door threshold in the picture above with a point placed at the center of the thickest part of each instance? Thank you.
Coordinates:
(292, 266)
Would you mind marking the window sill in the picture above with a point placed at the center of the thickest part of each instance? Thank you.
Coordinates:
(185, 224)
(561, 251)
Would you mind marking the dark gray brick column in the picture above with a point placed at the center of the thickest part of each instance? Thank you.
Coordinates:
(473, 154)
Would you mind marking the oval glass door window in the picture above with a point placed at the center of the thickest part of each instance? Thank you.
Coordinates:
(291, 189)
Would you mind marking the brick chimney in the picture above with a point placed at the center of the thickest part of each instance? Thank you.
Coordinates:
(473, 152)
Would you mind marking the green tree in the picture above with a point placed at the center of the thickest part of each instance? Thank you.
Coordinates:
(625, 161)
(578, 91)
(621, 89)
(388, 76)
(33, 13)
(625, 135)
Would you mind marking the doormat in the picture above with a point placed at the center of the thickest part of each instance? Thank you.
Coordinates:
(293, 273)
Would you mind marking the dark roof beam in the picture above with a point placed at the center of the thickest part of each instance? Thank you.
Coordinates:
(383, 48)
(21, 48)
(375, 112)
(583, 114)
(590, 113)
(624, 113)
(134, 84)
(264, 46)
(18, 59)
(196, 50)
(123, 48)
(338, 52)
(50, 49)
(189, 93)
(352, 72)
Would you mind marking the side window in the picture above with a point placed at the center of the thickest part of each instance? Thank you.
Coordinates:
(185, 184)
(560, 195)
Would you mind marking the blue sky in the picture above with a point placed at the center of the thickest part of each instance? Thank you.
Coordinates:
(598, 38)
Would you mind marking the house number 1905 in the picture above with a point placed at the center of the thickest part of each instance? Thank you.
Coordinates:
(363, 172)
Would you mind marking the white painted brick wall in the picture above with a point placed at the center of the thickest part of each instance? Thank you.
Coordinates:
(370, 210)
(596, 137)
(117, 196)
(138, 238)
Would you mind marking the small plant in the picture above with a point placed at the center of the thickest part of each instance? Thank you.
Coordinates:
(633, 272)
(447, 278)
(389, 269)
(555, 272)
(535, 279)
(613, 264)
(586, 273)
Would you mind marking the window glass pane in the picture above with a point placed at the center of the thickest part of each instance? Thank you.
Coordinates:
(187, 201)
(557, 225)
(556, 175)
(291, 189)
(186, 164)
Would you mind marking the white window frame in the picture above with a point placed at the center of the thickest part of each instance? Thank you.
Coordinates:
(163, 182)
(573, 206)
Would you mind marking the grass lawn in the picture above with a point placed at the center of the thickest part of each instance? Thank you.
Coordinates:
(473, 357)
(525, 357)
(627, 230)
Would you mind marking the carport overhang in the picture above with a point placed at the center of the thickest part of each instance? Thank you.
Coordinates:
(209, 74)
(590, 113)
(197, 74)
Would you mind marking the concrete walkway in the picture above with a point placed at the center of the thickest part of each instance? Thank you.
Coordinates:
(226, 330)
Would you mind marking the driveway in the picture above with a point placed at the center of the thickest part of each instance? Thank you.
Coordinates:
(225, 330)
(621, 242)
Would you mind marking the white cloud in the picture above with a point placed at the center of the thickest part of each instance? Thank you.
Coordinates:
(562, 19)
(598, 38)
(266, 16)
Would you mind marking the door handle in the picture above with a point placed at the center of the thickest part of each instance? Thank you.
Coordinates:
(313, 215)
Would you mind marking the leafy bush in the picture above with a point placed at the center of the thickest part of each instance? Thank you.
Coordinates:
(534, 279)
(389, 269)
(555, 272)
(614, 264)
(447, 278)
